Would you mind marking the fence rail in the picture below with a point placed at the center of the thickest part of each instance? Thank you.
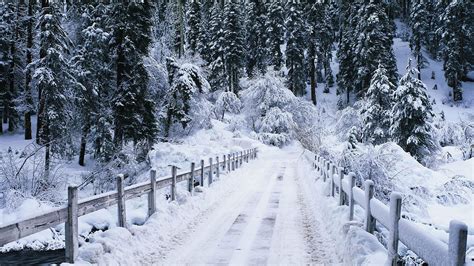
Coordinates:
(69, 214)
(428, 247)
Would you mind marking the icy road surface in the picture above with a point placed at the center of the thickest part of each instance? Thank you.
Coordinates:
(263, 221)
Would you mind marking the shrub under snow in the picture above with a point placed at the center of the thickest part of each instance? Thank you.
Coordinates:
(267, 101)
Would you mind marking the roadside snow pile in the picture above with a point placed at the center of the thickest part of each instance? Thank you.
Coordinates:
(204, 144)
(354, 246)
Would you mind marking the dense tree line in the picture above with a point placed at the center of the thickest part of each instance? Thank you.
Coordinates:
(87, 69)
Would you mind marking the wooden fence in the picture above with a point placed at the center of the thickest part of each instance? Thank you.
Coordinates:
(69, 214)
(428, 247)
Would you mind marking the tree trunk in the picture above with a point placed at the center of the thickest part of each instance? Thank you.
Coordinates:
(47, 161)
(29, 59)
(312, 74)
(82, 151)
(41, 108)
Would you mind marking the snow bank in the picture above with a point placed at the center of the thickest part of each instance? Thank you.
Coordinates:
(354, 246)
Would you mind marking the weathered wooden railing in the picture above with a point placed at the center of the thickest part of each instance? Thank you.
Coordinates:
(428, 247)
(69, 214)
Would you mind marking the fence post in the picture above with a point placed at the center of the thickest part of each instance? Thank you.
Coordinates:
(152, 193)
(72, 244)
(191, 179)
(241, 158)
(255, 153)
(457, 243)
(395, 212)
(228, 162)
(122, 217)
(217, 167)
(325, 172)
(333, 185)
(224, 163)
(369, 194)
(209, 179)
(352, 178)
(202, 173)
(233, 161)
(341, 191)
(174, 170)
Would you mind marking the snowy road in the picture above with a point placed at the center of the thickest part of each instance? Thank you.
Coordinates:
(264, 221)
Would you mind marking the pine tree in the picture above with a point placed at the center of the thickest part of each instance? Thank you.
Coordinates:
(377, 108)
(12, 41)
(458, 41)
(346, 52)
(93, 72)
(54, 81)
(275, 33)
(233, 45)
(187, 82)
(419, 23)
(256, 38)
(131, 24)
(410, 117)
(28, 95)
(374, 34)
(295, 50)
(194, 18)
(217, 76)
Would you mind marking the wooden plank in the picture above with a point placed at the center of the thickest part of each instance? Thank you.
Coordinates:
(20, 229)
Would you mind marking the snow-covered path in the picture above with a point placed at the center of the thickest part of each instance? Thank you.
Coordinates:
(264, 221)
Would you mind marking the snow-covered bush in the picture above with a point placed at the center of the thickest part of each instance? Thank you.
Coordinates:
(346, 119)
(310, 125)
(186, 108)
(276, 127)
(227, 102)
(267, 102)
(369, 162)
(22, 176)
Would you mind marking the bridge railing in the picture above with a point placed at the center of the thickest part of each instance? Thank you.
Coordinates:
(428, 247)
(69, 214)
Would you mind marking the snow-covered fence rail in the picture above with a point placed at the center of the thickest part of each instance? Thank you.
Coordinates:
(69, 214)
(428, 247)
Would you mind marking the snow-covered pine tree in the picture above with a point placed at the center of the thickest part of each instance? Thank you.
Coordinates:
(233, 45)
(13, 42)
(275, 26)
(92, 63)
(295, 49)
(256, 37)
(131, 24)
(193, 29)
(457, 36)
(314, 19)
(419, 23)
(346, 52)
(374, 39)
(217, 76)
(54, 81)
(27, 94)
(204, 38)
(376, 110)
(411, 114)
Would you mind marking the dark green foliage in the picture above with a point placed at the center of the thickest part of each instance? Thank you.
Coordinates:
(275, 26)
(295, 49)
